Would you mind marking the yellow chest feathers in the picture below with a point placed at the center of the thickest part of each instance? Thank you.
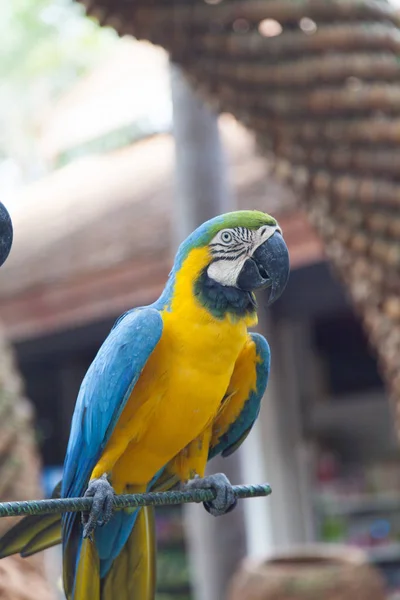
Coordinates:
(191, 329)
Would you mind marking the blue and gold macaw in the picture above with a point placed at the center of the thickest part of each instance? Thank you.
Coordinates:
(174, 384)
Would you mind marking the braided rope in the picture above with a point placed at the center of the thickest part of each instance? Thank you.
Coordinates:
(60, 505)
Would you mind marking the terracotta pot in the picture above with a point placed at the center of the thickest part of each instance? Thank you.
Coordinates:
(312, 573)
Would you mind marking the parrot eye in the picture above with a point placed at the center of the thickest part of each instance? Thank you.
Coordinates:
(226, 237)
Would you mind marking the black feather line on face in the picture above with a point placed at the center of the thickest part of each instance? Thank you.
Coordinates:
(225, 250)
(239, 234)
(229, 257)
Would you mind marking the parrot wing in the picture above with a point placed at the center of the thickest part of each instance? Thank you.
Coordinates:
(243, 399)
(104, 392)
(102, 397)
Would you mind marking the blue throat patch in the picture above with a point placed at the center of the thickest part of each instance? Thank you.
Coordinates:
(221, 300)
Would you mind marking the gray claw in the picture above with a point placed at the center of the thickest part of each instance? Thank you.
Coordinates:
(225, 499)
(102, 508)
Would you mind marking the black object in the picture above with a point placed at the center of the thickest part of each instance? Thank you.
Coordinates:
(6, 233)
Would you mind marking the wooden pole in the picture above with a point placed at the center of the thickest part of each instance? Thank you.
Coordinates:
(216, 545)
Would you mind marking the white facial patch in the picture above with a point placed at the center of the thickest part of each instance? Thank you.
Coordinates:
(226, 272)
(231, 248)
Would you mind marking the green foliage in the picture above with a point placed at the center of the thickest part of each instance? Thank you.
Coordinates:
(49, 38)
(46, 45)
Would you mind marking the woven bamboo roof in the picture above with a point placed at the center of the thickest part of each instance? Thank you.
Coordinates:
(319, 84)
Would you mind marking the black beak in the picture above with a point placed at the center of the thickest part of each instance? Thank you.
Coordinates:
(6, 233)
(268, 268)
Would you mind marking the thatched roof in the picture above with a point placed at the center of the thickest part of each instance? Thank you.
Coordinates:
(94, 238)
(319, 84)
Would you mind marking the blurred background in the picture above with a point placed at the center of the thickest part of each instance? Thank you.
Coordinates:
(107, 159)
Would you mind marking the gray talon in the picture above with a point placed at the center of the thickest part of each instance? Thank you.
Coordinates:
(102, 508)
(225, 499)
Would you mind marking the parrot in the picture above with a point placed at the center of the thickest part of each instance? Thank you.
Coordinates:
(174, 384)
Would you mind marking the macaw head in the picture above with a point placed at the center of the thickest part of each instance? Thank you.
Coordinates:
(234, 255)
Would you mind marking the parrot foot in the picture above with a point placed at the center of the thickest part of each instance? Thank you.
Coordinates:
(225, 499)
(102, 508)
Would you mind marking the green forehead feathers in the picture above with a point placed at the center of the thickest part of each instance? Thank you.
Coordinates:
(251, 219)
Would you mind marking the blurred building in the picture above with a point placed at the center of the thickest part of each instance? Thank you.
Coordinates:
(93, 238)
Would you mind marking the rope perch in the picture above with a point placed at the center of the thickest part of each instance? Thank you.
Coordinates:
(60, 505)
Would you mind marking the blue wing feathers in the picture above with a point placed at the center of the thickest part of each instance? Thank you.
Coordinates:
(239, 430)
(101, 399)
(105, 390)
